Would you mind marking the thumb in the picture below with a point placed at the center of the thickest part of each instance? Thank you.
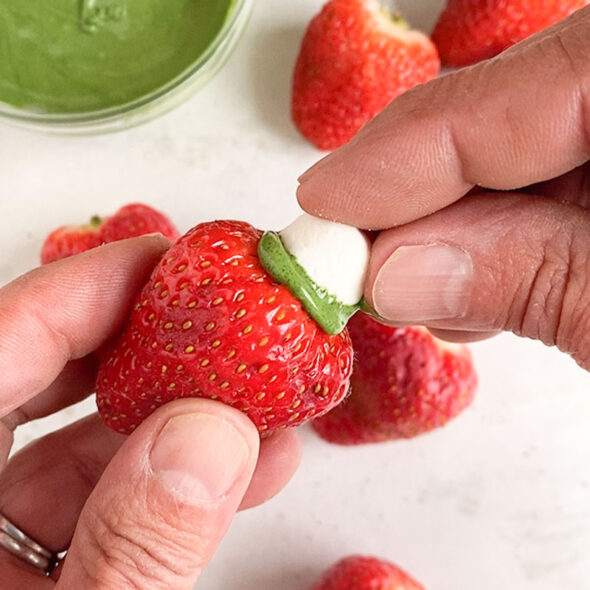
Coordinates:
(490, 262)
(165, 500)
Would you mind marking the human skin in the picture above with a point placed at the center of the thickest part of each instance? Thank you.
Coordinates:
(479, 184)
(145, 511)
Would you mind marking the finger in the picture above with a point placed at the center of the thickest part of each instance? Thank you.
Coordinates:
(521, 118)
(573, 186)
(15, 577)
(491, 262)
(44, 487)
(6, 439)
(165, 500)
(449, 335)
(34, 496)
(46, 484)
(64, 311)
(278, 460)
(463, 336)
(76, 382)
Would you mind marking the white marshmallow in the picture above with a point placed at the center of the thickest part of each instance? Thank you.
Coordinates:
(334, 255)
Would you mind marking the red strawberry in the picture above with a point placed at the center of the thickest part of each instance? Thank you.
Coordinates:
(365, 573)
(353, 61)
(468, 31)
(405, 382)
(128, 222)
(69, 240)
(212, 323)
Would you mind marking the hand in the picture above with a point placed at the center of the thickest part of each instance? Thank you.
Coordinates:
(454, 255)
(145, 511)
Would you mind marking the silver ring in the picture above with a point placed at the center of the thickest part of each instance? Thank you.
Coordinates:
(26, 549)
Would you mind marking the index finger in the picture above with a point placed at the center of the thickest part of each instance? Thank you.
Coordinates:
(65, 310)
(521, 118)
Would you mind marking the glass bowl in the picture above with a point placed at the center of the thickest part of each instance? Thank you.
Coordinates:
(151, 105)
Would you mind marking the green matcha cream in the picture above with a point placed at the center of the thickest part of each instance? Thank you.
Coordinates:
(80, 56)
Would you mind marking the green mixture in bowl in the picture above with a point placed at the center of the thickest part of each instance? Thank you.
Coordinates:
(79, 56)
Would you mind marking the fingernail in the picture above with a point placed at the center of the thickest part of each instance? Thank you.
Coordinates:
(423, 283)
(199, 457)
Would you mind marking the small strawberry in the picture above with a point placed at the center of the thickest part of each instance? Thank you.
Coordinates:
(405, 382)
(469, 31)
(69, 240)
(354, 59)
(211, 322)
(365, 573)
(128, 222)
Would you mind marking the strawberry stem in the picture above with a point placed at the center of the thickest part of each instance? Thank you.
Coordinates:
(400, 22)
(324, 308)
(395, 18)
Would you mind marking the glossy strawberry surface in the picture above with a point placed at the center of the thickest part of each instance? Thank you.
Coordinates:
(469, 31)
(353, 61)
(359, 572)
(405, 382)
(212, 323)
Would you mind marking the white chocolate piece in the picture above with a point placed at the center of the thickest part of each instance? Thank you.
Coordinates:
(334, 255)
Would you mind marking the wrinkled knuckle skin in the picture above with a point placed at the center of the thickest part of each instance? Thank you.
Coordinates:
(556, 301)
(123, 552)
(539, 307)
(573, 335)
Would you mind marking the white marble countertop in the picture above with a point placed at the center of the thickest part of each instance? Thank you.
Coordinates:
(498, 499)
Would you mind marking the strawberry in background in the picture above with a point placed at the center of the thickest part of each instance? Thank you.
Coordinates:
(128, 222)
(405, 382)
(365, 573)
(469, 31)
(354, 59)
